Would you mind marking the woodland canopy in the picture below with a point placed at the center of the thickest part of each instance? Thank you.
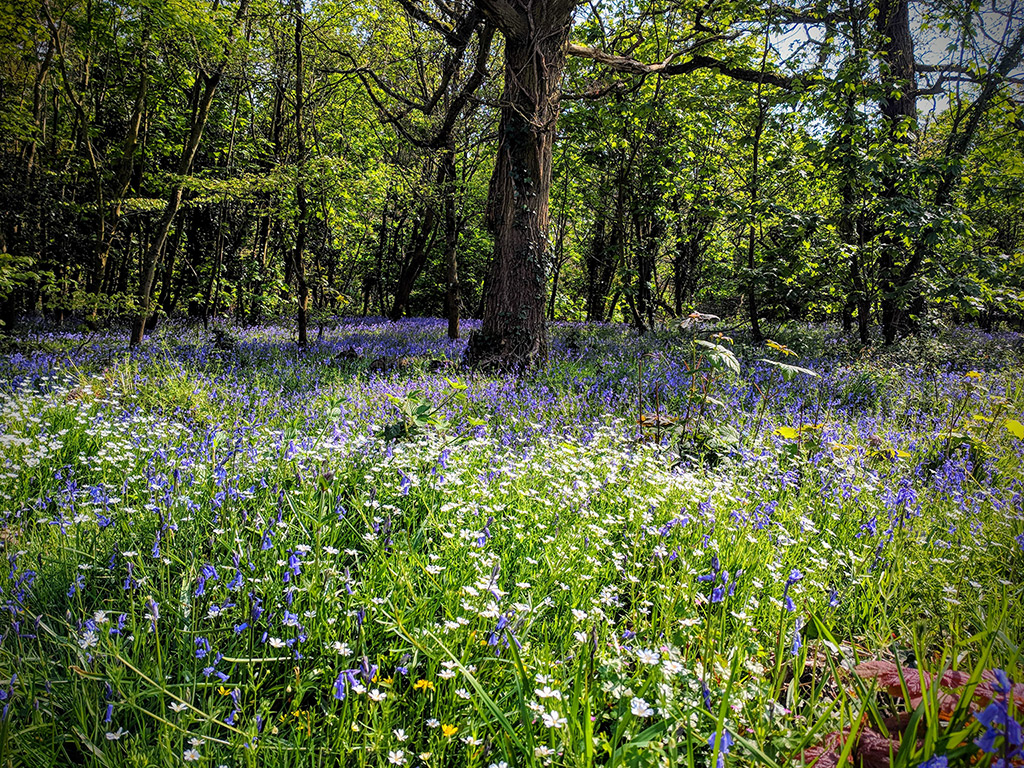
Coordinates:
(514, 160)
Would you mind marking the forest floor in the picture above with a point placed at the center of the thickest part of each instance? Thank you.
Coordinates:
(668, 550)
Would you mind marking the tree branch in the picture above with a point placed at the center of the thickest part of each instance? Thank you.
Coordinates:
(505, 17)
(416, 12)
(801, 16)
(671, 66)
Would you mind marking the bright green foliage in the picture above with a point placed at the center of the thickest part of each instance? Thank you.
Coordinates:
(659, 202)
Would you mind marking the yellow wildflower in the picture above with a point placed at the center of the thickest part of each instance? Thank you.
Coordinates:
(449, 730)
(423, 685)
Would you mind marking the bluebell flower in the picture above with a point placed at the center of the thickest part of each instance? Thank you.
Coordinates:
(202, 647)
(998, 722)
(77, 585)
(724, 745)
(732, 584)
(787, 601)
(1003, 684)
(367, 670)
(257, 607)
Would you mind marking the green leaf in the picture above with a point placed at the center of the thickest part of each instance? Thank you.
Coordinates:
(1015, 428)
(789, 372)
(719, 356)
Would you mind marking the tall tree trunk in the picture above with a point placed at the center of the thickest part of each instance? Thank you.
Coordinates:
(421, 240)
(752, 302)
(680, 264)
(261, 245)
(850, 229)
(188, 154)
(649, 229)
(151, 256)
(212, 293)
(167, 277)
(899, 115)
(690, 233)
(376, 269)
(267, 226)
(514, 331)
(561, 225)
(38, 121)
(595, 258)
(755, 188)
(300, 186)
(209, 302)
(124, 177)
(451, 241)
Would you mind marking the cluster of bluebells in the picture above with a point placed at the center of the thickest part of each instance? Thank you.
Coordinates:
(280, 557)
(1003, 733)
(723, 587)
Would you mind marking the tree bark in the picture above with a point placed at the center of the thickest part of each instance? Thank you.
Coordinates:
(514, 332)
(124, 177)
(755, 189)
(300, 186)
(752, 302)
(451, 242)
(691, 232)
(649, 229)
(561, 227)
(898, 106)
(850, 229)
(421, 240)
(597, 291)
(38, 121)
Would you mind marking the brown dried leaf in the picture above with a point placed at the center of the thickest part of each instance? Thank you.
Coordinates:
(875, 750)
